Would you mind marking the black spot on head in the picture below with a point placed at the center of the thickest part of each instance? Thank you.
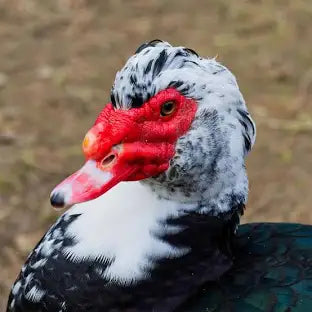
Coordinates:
(133, 79)
(160, 62)
(244, 122)
(179, 151)
(148, 67)
(245, 116)
(247, 142)
(190, 51)
(147, 50)
(181, 53)
(185, 90)
(154, 42)
(246, 135)
(145, 45)
(176, 84)
(113, 100)
(136, 100)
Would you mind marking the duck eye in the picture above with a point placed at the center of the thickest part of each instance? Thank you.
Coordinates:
(167, 108)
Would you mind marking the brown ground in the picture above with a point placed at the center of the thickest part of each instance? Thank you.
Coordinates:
(57, 62)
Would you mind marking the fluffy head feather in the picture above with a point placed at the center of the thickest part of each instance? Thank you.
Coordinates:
(208, 166)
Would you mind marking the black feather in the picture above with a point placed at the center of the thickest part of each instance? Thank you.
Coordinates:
(145, 45)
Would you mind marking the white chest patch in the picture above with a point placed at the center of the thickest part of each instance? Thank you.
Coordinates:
(120, 225)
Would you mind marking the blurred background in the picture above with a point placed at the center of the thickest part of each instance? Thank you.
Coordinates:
(58, 59)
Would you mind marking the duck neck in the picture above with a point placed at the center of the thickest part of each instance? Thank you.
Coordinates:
(212, 197)
(133, 229)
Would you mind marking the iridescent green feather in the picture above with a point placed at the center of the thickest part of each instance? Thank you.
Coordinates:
(272, 272)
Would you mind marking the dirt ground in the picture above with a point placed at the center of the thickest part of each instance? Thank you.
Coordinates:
(57, 63)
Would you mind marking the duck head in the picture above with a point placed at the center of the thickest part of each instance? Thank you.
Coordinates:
(176, 121)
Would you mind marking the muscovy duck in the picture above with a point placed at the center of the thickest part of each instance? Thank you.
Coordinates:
(153, 223)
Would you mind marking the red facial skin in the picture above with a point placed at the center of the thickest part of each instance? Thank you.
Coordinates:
(131, 144)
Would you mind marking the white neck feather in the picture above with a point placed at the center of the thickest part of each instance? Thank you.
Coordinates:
(120, 226)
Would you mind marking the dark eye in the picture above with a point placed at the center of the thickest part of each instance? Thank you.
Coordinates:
(168, 108)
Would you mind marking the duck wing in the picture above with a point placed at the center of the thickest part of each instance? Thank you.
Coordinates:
(272, 272)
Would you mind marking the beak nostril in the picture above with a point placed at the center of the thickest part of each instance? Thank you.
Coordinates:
(108, 160)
